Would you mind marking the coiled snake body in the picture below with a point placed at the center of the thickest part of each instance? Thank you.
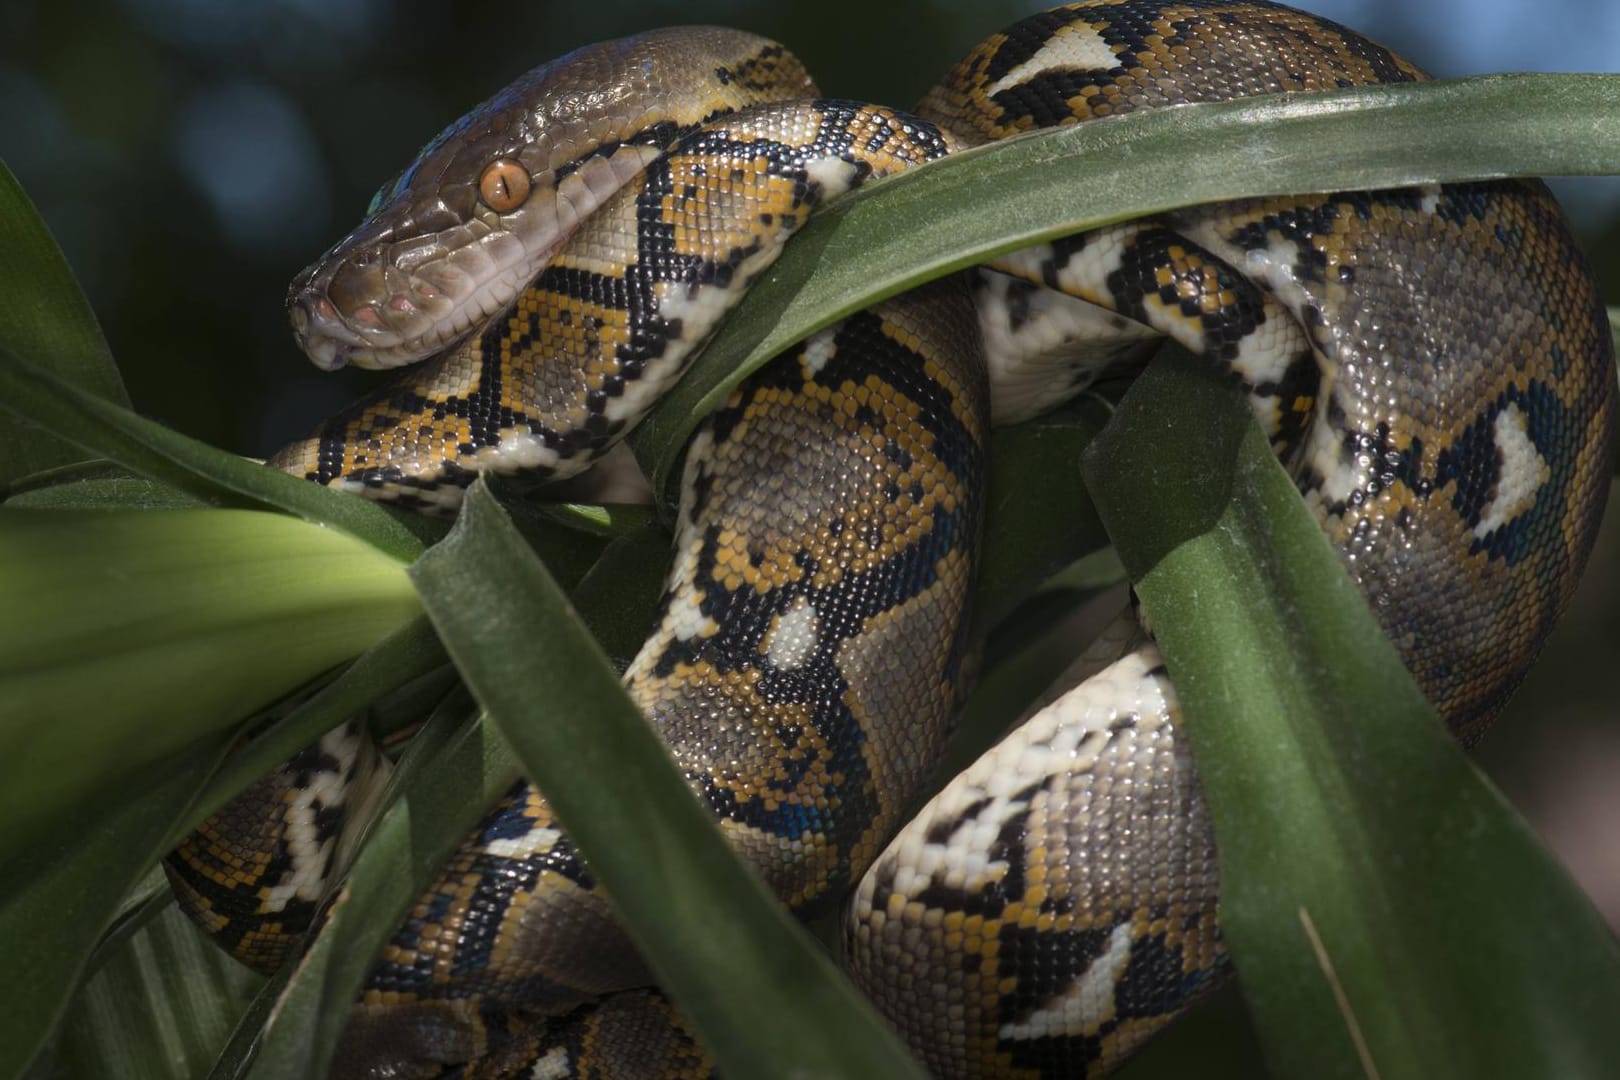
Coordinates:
(1433, 362)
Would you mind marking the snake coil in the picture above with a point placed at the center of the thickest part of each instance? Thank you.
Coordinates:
(1433, 363)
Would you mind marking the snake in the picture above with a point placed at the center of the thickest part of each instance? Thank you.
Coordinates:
(1432, 364)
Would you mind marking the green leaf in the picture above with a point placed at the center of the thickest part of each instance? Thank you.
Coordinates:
(607, 522)
(764, 999)
(1214, 1041)
(43, 314)
(143, 903)
(1387, 911)
(1038, 515)
(163, 626)
(242, 1049)
(453, 770)
(60, 888)
(898, 232)
(617, 599)
(161, 1007)
(149, 448)
(97, 485)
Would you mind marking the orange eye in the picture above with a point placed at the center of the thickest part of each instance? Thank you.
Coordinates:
(503, 185)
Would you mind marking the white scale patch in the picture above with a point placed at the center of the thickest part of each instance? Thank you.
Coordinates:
(819, 350)
(793, 636)
(554, 1066)
(1342, 473)
(445, 498)
(685, 619)
(310, 855)
(1065, 737)
(520, 449)
(1088, 1001)
(698, 308)
(1264, 356)
(1076, 46)
(533, 842)
(833, 175)
(1272, 267)
(1062, 345)
(1523, 471)
(1086, 272)
(963, 861)
(1431, 198)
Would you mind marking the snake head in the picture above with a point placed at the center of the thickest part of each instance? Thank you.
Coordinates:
(451, 241)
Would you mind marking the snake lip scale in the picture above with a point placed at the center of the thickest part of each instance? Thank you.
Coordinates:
(1432, 364)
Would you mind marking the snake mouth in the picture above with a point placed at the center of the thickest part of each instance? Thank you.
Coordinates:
(387, 308)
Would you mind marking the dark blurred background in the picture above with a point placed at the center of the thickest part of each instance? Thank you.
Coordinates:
(192, 155)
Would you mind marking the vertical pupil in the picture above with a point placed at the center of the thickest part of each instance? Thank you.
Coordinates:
(503, 186)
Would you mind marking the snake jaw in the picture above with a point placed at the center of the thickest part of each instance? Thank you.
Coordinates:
(324, 351)
(393, 293)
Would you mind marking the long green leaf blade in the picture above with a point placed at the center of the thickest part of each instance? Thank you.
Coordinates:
(1038, 516)
(162, 627)
(901, 231)
(108, 430)
(1388, 913)
(44, 314)
(62, 888)
(161, 1007)
(751, 981)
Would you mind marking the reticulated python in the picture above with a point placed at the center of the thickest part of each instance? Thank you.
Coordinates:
(1434, 364)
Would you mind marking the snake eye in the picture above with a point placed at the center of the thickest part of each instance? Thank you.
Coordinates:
(503, 185)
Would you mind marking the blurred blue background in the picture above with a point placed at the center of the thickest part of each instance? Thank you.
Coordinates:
(192, 155)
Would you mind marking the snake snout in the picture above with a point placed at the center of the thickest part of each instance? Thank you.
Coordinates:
(314, 321)
(364, 310)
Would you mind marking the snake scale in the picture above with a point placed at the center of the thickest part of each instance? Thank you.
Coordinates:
(1432, 363)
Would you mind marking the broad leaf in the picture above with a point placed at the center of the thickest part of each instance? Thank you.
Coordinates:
(161, 1007)
(1038, 516)
(1388, 912)
(60, 888)
(162, 627)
